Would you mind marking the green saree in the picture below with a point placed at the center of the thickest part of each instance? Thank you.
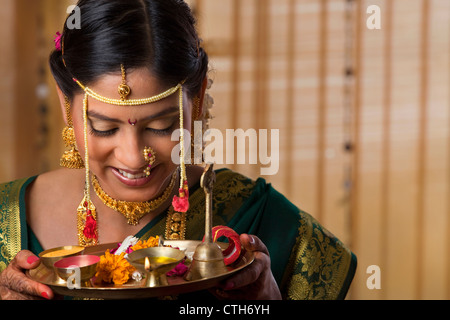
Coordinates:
(313, 264)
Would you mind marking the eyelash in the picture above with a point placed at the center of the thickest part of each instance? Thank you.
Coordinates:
(159, 132)
(102, 133)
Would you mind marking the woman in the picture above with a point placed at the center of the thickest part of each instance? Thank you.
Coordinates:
(131, 75)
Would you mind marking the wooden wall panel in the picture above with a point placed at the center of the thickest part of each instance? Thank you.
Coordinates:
(31, 119)
(436, 170)
(402, 254)
(7, 138)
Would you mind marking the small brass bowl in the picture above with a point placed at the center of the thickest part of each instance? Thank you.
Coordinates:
(50, 256)
(87, 265)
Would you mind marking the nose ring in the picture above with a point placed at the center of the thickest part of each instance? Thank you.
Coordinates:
(150, 157)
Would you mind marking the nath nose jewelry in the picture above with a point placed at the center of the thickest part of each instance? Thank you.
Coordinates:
(150, 157)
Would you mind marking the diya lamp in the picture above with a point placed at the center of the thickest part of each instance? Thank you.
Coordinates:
(208, 260)
(154, 262)
(153, 279)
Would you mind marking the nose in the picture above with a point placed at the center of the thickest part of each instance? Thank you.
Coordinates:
(129, 152)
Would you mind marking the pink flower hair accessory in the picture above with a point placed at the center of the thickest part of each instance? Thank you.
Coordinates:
(57, 41)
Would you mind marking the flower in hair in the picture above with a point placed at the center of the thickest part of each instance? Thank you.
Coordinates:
(57, 41)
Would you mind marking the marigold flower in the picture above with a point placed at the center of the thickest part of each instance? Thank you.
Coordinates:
(142, 244)
(114, 268)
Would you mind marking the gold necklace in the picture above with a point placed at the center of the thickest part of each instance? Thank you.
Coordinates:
(133, 211)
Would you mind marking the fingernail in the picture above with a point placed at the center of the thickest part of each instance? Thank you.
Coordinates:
(252, 240)
(44, 295)
(32, 259)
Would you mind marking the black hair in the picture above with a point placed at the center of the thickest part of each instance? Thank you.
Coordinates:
(158, 34)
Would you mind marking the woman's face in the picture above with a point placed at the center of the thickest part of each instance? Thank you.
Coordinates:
(116, 146)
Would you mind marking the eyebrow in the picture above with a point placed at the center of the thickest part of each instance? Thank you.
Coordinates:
(99, 116)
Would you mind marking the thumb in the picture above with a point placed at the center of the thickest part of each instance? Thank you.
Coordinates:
(26, 260)
(253, 243)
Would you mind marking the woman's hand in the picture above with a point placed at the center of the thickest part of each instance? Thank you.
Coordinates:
(256, 282)
(15, 285)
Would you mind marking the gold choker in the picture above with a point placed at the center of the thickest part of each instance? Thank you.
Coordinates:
(133, 211)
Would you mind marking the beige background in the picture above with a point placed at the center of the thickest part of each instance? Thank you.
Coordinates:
(281, 64)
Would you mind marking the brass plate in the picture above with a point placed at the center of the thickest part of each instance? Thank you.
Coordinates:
(136, 289)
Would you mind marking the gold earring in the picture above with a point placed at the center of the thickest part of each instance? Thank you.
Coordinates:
(150, 157)
(71, 158)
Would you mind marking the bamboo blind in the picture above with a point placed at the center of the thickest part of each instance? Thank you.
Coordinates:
(282, 64)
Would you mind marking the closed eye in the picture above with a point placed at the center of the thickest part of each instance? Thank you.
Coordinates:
(99, 133)
(163, 132)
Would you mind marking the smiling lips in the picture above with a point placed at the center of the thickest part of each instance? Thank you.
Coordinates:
(132, 179)
(132, 176)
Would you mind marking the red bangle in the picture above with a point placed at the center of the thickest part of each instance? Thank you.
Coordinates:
(234, 249)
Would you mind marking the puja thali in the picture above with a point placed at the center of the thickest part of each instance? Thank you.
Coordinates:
(134, 289)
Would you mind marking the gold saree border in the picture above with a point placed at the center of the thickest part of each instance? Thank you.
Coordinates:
(321, 267)
(10, 220)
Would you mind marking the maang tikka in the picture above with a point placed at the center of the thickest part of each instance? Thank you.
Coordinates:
(123, 89)
(71, 158)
